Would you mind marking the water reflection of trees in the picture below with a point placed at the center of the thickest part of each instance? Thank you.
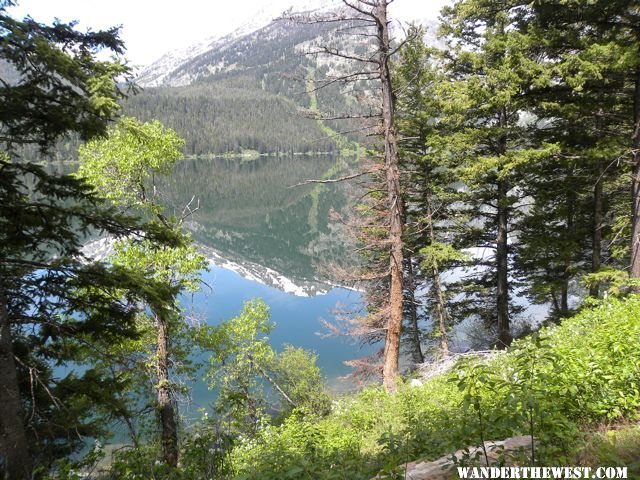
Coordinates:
(248, 212)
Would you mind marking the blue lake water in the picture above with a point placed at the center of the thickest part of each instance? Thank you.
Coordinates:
(268, 240)
(297, 320)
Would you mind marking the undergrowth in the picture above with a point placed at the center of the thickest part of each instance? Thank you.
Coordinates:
(548, 385)
(552, 386)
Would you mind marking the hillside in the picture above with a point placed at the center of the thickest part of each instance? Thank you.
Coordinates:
(543, 386)
(251, 89)
(244, 91)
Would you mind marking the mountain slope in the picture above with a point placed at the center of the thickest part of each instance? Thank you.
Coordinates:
(244, 91)
(251, 89)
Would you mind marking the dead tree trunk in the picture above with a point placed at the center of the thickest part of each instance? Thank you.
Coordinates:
(364, 14)
(165, 408)
(394, 201)
(15, 461)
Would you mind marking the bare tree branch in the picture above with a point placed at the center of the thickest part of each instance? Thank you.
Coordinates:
(334, 52)
(334, 180)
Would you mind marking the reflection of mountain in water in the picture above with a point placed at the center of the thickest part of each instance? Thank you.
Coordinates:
(267, 276)
(103, 247)
(250, 214)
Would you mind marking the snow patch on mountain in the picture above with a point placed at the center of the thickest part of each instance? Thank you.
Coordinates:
(165, 70)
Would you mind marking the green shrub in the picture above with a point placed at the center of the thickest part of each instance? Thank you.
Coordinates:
(548, 385)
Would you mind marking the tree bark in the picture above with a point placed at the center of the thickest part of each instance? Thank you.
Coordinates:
(598, 198)
(634, 270)
(596, 243)
(566, 274)
(502, 264)
(416, 351)
(564, 298)
(441, 303)
(15, 460)
(394, 204)
(166, 411)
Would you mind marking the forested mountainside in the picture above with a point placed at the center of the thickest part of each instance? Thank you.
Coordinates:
(250, 91)
(216, 119)
(265, 54)
(246, 91)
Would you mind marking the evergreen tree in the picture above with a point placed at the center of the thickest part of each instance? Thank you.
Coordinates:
(429, 192)
(593, 48)
(122, 168)
(46, 317)
(492, 69)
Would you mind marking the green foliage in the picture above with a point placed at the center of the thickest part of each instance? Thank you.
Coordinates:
(242, 365)
(121, 165)
(615, 282)
(617, 446)
(176, 265)
(56, 303)
(61, 87)
(548, 386)
(441, 253)
(141, 463)
(239, 353)
(295, 371)
(205, 452)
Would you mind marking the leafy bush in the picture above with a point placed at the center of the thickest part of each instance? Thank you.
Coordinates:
(548, 385)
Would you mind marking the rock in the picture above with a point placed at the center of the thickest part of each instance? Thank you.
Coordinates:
(444, 468)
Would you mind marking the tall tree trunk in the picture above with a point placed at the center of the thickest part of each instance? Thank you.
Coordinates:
(438, 293)
(15, 461)
(634, 271)
(416, 350)
(566, 274)
(166, 411)
(502, 264)
(394, 205)
(596, 242)
(564, 297)
(596, 239)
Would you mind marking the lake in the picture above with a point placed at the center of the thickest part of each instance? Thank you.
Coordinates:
(266, 238)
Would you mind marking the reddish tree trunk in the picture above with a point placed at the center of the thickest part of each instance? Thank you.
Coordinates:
(394, 205)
